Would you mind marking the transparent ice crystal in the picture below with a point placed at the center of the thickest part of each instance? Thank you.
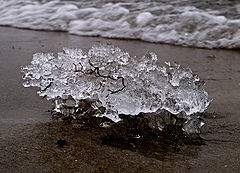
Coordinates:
(106, 81)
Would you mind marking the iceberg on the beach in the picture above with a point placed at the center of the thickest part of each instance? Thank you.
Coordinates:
(111, 82)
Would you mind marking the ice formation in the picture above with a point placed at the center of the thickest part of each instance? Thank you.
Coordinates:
(113, 83)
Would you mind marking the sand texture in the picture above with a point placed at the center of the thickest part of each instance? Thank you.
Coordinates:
(29, 138)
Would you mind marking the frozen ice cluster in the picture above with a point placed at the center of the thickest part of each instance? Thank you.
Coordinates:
(113, 83)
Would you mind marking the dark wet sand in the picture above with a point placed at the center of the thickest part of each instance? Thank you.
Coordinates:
(28, 137)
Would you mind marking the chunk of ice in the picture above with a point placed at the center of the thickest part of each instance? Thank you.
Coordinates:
(106, 81)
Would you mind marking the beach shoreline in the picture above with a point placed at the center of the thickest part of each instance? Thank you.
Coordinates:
(25, 124)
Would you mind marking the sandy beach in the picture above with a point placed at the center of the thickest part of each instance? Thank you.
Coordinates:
(28, 136)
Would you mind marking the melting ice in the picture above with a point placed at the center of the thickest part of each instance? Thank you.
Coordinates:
(111, 82)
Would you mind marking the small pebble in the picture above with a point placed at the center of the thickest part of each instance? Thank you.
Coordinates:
(61, 142)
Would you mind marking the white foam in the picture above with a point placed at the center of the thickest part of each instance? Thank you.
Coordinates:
(144, 18)
(180, 25)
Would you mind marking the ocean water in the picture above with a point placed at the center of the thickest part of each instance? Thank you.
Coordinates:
(205, 23)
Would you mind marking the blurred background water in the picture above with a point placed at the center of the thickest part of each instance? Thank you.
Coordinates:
(208, 24)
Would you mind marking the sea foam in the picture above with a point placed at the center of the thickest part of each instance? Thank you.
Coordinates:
(150, 21)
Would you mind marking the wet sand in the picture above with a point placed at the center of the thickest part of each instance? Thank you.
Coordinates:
(28, 136)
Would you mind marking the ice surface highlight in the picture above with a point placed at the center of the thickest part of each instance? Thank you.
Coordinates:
(113, 83)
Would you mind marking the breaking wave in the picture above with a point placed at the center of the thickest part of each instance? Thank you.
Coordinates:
(164, 22)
